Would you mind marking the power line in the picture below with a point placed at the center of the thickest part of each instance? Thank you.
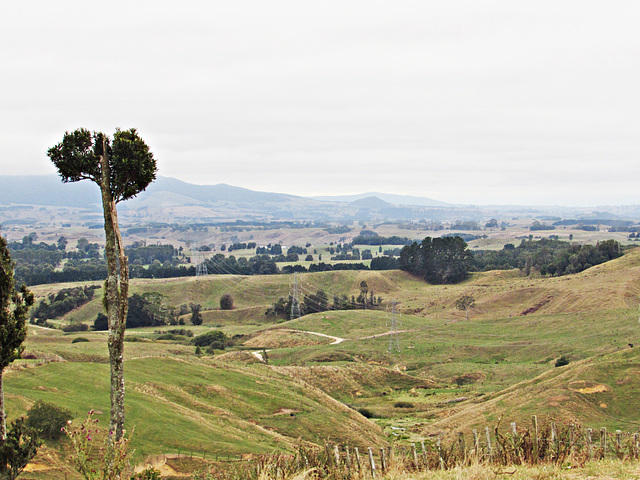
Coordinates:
(394, 340)
(295, 302)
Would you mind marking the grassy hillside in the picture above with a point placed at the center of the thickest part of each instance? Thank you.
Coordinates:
(601, 391)
(438, 373)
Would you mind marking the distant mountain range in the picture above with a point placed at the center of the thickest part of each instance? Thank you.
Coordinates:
(387, 197)
(169, 200)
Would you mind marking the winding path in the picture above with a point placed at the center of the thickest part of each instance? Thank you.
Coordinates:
(336, 340)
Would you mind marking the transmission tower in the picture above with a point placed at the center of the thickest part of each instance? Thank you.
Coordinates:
(197, 257)
(394, 341)
(295, 300)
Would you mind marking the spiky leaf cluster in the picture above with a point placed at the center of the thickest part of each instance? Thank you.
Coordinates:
(131, 164)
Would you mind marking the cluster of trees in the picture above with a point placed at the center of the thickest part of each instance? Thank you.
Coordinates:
(269, 250)
(210, 341)
(540, 226)
(548, 256)
(40, 263)
(324, 267)
(140, 254)
(366, 238)
(354, 254)
(151, 310)
(319, 302)
(465, 225)
(241, 246)
(384, 263)
(438, 260)
(258, 265)
(298, 250)
(58, 304)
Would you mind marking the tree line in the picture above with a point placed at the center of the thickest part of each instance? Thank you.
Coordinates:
(438, 260)
(547, 256)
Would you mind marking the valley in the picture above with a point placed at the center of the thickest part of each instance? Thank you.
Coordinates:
(438, 373)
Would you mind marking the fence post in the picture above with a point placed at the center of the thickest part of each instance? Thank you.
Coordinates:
(425, 459)
(635, 445)
(476, 444)
(590, 442)
(603, 441)
(383, 460)
(415, 456)
(619, 452)
(390, 458)
(336, 454)
(372, 463)
(348, 456)
(358, 462)
(534, 421)
(571, 438)
(463, 448)
(440, 459)
(514, 439)
(489, 449)
(554, 438)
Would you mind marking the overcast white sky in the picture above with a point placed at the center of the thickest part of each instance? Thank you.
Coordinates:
(462, 101)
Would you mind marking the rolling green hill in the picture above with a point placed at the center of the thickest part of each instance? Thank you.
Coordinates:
(438, 373)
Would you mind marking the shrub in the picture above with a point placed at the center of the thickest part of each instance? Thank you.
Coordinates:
(20, 446)
(79, 340)
(214, 336)
(182, 331)
(75, 327)
(403, 405)
(226, 302)
(366, 413)
(48, 419)
(101, 322)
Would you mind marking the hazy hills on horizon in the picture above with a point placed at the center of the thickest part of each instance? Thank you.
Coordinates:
(170, 199)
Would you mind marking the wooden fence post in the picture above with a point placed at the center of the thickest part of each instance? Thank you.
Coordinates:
(476, 444)
(554, 438)
(603, 441)
(415, 456)
(348, 456)
(383, 460)
(635, 445)
(425, 459)
(571, 438)
(372, 463)
(514, 439)
(358, 462)
(590, 442)
(619, 452)
(534, 421)
(336, 455)
(489, 449)
(440, 459)
(462, 447)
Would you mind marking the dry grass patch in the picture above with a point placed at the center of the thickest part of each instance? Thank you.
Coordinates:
(278, 338)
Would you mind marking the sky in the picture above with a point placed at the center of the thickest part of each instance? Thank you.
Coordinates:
(492, 102)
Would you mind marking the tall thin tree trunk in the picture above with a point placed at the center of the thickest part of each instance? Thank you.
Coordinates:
(116, 287)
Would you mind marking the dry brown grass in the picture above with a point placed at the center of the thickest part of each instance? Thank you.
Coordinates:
(284, 339)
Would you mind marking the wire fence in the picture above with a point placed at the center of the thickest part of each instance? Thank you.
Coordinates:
(514, 445)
